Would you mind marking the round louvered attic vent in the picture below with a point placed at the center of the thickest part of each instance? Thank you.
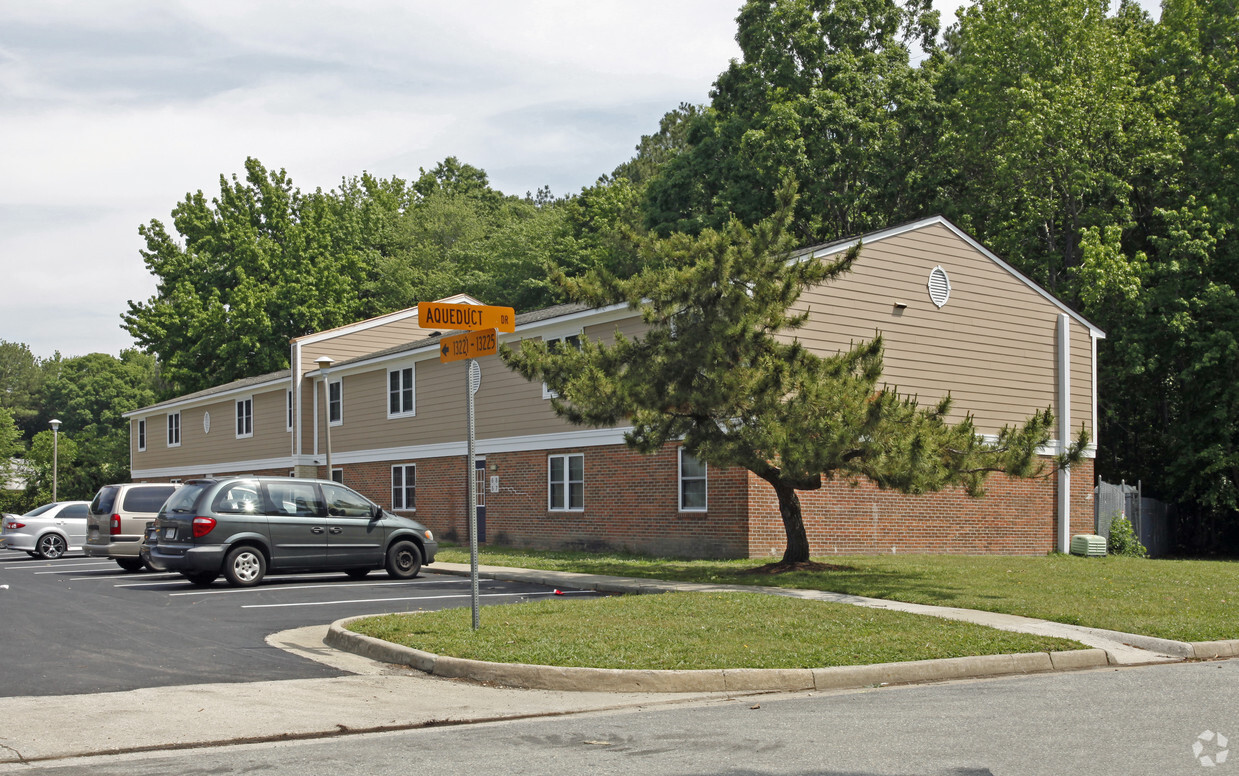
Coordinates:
(939, 286)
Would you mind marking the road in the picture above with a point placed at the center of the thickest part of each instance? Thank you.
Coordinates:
(1113, 721)
(81, 625)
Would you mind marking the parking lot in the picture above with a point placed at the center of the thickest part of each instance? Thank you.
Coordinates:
(77, 624)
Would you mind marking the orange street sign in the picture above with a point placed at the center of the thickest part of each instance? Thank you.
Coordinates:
(475, 317)
(471, 344)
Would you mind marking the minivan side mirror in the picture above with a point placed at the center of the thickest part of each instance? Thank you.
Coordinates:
(376, 513)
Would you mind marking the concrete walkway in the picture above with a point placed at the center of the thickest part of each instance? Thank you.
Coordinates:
(381, 696)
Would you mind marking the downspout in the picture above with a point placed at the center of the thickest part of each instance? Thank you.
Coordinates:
(1064, 430)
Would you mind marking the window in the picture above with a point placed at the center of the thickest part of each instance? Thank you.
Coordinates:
(240, 498)
(400, 395)
(141, 435)
(289, 427)
(404, 487)
(73, 510)
(553, 344)
(335, 403)
(245, 418)
(337, 475)
(566, 482)
(299, 499)
(342, 502)
(174, 429)
(692, 483)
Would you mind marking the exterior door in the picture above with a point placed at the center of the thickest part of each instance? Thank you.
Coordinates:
(479, 475)
(297, 523)
(354, 538)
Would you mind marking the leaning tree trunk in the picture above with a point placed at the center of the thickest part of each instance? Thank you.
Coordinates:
(793, 524)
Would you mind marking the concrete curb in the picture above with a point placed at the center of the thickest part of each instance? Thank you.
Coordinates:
(537, 677)
(1211, 650)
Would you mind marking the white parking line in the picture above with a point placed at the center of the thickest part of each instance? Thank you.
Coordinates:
(337, 585)
(36, 565)
(414, 598)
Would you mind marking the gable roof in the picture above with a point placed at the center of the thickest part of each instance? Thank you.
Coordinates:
(839, 246)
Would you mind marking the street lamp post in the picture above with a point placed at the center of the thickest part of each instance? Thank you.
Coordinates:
(55, 424)
(324, 367)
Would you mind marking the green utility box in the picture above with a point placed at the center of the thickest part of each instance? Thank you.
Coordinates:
(1088, 545)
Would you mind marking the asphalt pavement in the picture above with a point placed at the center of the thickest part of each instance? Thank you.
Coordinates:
(380, 695)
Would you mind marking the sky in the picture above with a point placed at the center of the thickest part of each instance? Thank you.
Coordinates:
(112, 111)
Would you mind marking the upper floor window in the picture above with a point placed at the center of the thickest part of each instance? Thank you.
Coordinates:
(174, 429)
(289, 400)
(335, 402)
(245, 418)
(553, 344)
(692, 483)
(400, 393)
(141, 435)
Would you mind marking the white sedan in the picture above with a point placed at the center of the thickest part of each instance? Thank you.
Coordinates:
(48, 531)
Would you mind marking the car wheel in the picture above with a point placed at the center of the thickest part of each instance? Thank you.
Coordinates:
(245, 567)
(51, 546)
(200, 580)
(130, 564)
(357, 573)
(404, 560)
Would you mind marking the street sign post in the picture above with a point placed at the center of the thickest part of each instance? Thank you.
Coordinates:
(475, 317)
(471, 344)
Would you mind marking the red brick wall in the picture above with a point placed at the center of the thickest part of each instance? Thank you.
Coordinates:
(631, 504)
(1015, 517)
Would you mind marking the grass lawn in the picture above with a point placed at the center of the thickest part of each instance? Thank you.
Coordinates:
(695, 631)
(1183, 600)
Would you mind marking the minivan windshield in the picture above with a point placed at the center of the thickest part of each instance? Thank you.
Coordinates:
(185, 497)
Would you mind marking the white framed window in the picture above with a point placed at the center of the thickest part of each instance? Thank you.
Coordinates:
(404, 487)
(245, 417)
(289, 402)
(401, 394)
(337, 475)
(693, 483)
(565, 482)
(174, 429)
(335, 402)
(555, 343)
(142, 435)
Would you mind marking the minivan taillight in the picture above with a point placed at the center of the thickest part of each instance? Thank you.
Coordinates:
(203, 526)
(114, 526)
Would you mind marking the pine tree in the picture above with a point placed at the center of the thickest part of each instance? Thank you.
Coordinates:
(720, 370)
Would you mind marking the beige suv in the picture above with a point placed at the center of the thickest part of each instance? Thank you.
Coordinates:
(117, 520)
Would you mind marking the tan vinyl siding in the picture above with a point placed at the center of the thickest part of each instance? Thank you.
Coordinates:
(631, 327)
(354, 344)
(219, 445)
(507, 405)
(992, 346)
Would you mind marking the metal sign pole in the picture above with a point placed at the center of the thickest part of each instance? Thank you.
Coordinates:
(474, 382)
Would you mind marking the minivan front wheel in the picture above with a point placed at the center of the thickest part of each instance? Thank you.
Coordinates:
(404, 560)
(245, 567)
(131, 564)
